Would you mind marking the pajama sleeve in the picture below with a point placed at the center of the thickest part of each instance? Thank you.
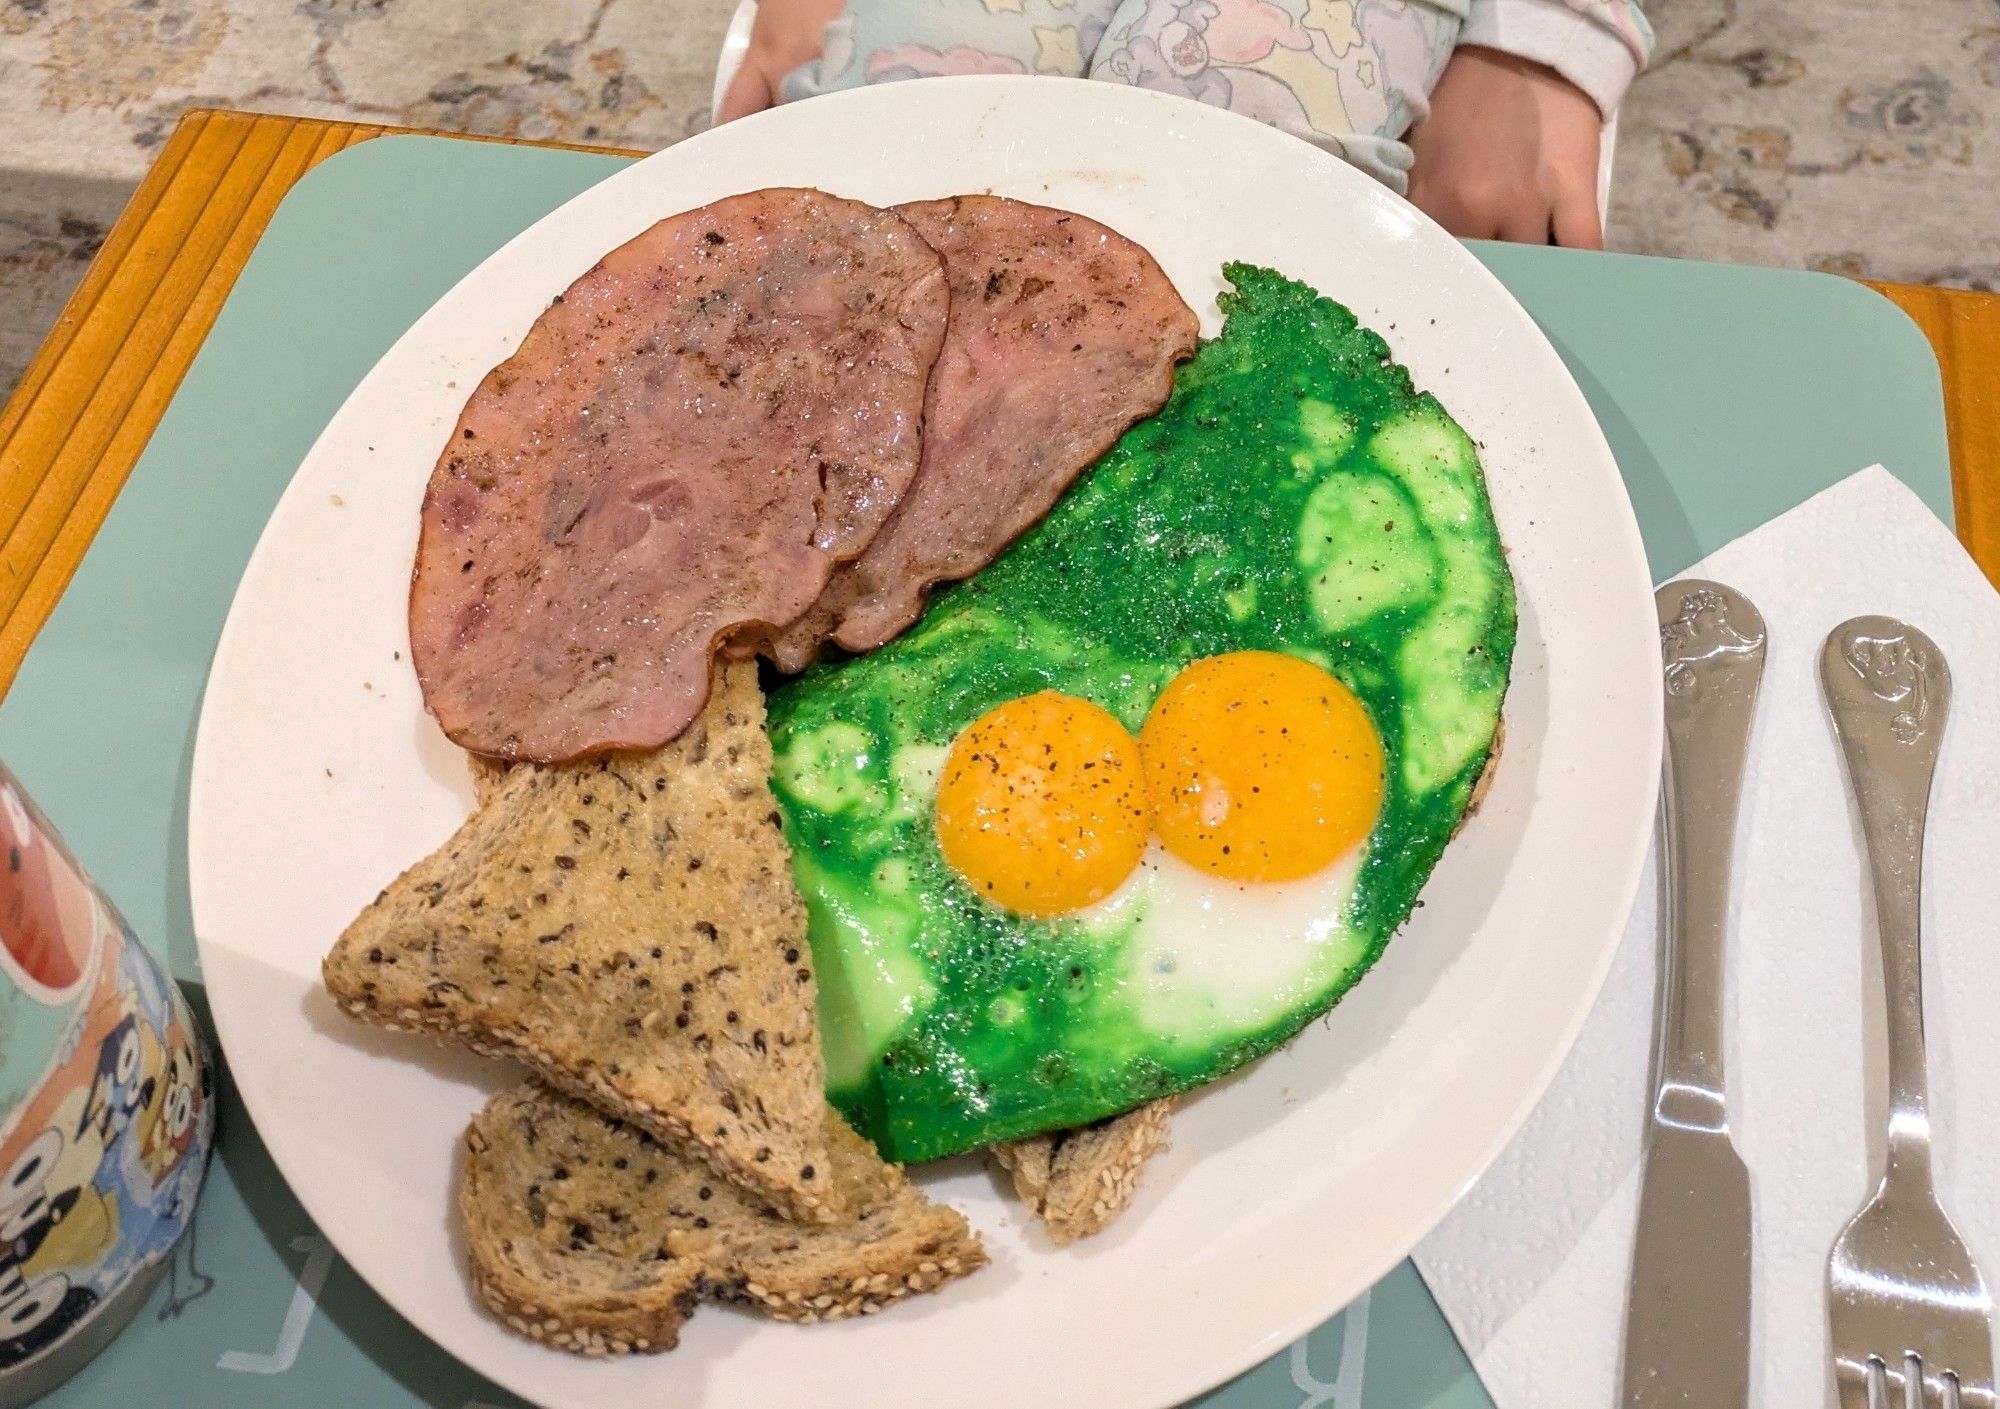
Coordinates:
(1596, 44)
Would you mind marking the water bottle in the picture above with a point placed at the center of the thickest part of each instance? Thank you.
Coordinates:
(107, 1110)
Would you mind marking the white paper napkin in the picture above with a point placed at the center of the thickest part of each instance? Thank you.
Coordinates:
(1531, 1268)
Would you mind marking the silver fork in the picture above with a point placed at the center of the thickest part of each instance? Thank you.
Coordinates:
(1911, 1318)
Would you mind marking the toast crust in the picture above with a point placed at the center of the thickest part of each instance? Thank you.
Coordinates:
(587, 1234)
(1078, 1181)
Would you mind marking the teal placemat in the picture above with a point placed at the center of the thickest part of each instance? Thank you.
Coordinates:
(1728, 394)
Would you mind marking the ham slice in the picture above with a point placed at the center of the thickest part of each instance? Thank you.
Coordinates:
(1063, 333)
(688, 441)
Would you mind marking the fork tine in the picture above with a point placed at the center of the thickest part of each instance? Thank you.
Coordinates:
(1851, 1380)
(1975, 1392)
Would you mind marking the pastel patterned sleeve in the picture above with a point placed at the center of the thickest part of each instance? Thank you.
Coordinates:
(1350, 76)
(1599, 45)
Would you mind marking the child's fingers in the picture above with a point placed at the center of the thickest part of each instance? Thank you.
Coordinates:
(1470, 215)
(749, 92)
(1575, 220)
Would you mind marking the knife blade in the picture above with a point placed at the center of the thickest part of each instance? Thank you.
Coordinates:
(1687, 1316)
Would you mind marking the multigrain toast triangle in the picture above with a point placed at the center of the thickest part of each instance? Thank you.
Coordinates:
(586, 1234)
(629, 929)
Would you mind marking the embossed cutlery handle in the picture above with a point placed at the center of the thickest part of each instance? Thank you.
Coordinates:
(1712, 650)
(1889, 691)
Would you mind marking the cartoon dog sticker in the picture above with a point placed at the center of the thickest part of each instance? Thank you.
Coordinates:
(168, 1123)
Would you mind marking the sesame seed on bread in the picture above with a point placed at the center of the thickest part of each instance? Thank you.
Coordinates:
(628, 928)
(1078, 1181)
(586, 1234)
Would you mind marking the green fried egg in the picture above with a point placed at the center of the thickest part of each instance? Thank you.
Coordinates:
(1133, 805)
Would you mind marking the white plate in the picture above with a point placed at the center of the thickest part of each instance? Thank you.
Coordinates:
(317, 777)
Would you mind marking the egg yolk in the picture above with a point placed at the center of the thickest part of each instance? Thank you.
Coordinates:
(1042, 806)
(1261, 766)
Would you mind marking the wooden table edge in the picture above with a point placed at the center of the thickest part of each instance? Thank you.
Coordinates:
(90, 400)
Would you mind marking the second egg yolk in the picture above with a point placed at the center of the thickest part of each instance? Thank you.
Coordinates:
(1261, 766)
(1042, 806)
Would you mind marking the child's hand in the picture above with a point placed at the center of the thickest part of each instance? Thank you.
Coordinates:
(1509, 152)
(787, 33)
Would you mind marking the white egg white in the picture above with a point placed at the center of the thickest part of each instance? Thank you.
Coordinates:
(1205, 954)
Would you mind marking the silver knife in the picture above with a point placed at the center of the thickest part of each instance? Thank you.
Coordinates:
(1687, 1320)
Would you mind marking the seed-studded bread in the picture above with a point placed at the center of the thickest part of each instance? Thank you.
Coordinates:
(1077, 1181)
(627, 927)
(588, 1235)
(574, 1298)
(489, 775)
